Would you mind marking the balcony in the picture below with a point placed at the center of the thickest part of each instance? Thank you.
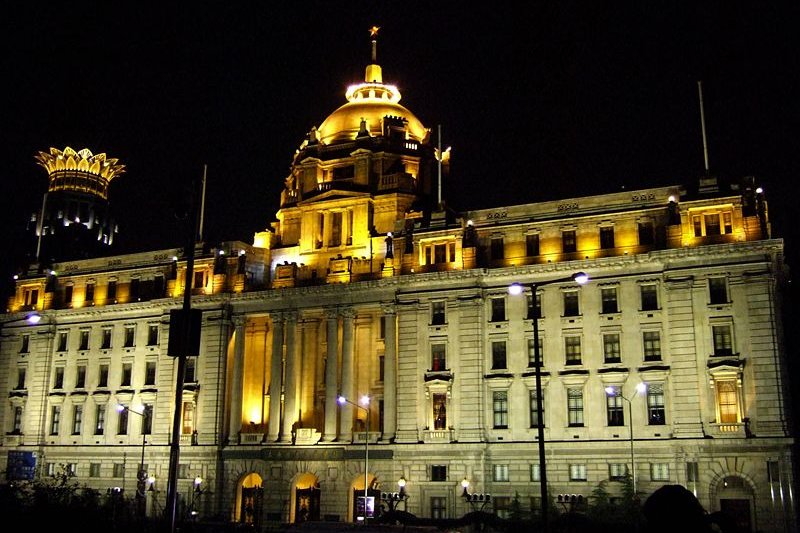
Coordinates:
(251, 438)
(432, 436)
(728, 430)
(360, 436)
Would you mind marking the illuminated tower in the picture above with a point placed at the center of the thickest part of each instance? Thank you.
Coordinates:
(75, 220)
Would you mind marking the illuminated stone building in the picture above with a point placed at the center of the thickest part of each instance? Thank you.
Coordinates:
(366, 285)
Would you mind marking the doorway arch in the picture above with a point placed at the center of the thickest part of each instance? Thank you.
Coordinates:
(249, 500)
(305, 499)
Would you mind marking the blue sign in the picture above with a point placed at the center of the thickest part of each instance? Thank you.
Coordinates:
(21, 465)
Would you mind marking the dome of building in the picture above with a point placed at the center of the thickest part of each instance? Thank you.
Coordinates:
(370, 102)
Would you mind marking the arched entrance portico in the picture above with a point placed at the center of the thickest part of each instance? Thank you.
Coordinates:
(305, 499)
(249, 500)
(357, 496)
(734, 497)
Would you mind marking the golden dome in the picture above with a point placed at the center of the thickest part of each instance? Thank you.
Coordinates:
(370, 101)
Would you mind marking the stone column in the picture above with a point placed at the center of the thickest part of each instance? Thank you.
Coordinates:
(390, 374)
(331, 373)
(348, 383)
(292, 383)
(235, 420)
(275, 382)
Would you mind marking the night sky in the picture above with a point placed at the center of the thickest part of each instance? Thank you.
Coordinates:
(538, 100)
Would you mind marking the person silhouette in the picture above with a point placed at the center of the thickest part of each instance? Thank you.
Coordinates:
(674, 508)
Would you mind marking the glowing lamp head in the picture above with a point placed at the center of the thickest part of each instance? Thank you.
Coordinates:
(515, 289)
(470, 222)
(759, 190)
(465, 483)
(365, 400)
(611, 391)
(342, 400)
(34, 318)
(641, 387)
(671, 199)
(120, 408)
(581, 278)
(401, 482)
(197, 481)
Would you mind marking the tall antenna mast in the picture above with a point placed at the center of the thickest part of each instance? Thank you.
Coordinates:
(703, 123)
(439, 195)
(203, 203)
(373, 31)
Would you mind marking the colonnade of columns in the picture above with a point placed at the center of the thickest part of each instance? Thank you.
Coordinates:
(286, 369)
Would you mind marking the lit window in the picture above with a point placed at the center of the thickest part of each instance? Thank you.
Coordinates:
(500, 409)
(611, 348)
(651, 345)
(617, 471)
(728, 402)
(534, 413)
(575, 407)
(577, 473)
(147, 419)
(536, 472)
(438, 507)
(439, 410)
(438, 357)
(659, 471)
(614, 410)
(534, 311)
(77, 419)
(572, 349)
(100, 419)
(55, 419)
(500, 473)
(532, 353)
(723, 339)
(655, 405)
(187, 427)
(122, 422)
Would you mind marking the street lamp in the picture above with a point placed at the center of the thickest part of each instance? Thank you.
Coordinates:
(475, 499)
(617, 391)
(365, 401)
(394, 498)
(515, 289)
(141, 476)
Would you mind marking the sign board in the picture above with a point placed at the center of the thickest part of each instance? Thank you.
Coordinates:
(21, 465)
(370, 506)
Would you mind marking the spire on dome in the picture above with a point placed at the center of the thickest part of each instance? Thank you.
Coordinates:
(373, 32)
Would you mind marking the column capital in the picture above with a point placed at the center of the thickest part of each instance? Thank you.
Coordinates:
(347, 312)
(389, 308)
(331, 313)
(239, 320)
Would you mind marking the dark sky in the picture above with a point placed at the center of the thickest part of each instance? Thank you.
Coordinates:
(538, 100)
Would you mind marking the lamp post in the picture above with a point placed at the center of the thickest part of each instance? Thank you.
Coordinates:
(365, 401)
(515, 289)
(394, 498)
(617, 391)
(141, 476)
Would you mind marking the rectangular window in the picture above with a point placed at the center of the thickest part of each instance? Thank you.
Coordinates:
(150, 373)
(80, 377)
(606, 237)
(381, 367)
(77, 419)
(100, 420)
(122, 422)
(58, 379)
(134, 289)
(439, 410)
(94, 469)
(697, 224)
(497, 248)
(659, 471)
(105, 339)
(608, 297)
(55, 419)
(438, 357)
(119, 470)
(614, 410)
(727, 222)
(611, 348)
(617, 471)
(111, 293)
(502, 507)
(147, 419)
(382, 328)
(158, 286)
(500, 409)
(89, 297)
(21, 374)
(651, 345)
(62, 341)
(127, 371)
(498, 309)
(30, 297)
(130, 336)
(438, 472)
(534, 311)
(152, 334)
(190, 375)
(723, 339)
(536, 472)
(575, 407)
(571, 307)
(712, 224)
(649, 297)
(68, 295)
(500, 473)
(17, 424)
(577, 473)
(568, 241)
(499, 355)
(532, 353)
(336, 229)
(572, 349)
(655, 405)
(534, 412)
(646, 233)
(83, 343)
(440, 253)
(187, 426)
(438, 507)
(532, 244)
(102, 377)
(728, 402)
(692, 472)
(717, 290)
(437, 313)
(26, 340)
